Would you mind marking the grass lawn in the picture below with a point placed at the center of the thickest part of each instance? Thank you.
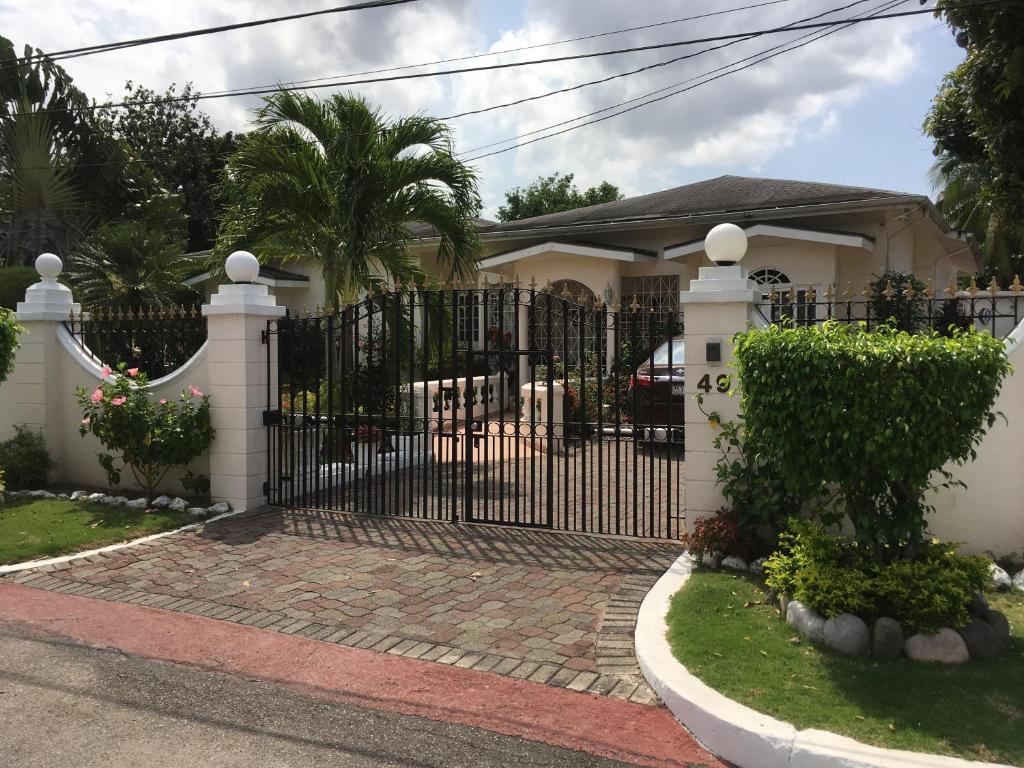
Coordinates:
(724, 634)
(35, 528)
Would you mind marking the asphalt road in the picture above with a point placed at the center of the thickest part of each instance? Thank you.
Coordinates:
(63, 704)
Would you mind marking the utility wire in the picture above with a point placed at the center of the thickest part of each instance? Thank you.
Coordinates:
(551, 60)
(640, 69)
(71, 53)
(760, 58)
(294, 83)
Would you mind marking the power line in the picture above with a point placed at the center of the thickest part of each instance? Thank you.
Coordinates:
(550, 60)
(156, 160)
(293, 83)
(637, 71)
(88, 50)
(760, 60)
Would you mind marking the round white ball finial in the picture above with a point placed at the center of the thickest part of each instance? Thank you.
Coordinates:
(242, 267)
(49, 266)
(725, 244)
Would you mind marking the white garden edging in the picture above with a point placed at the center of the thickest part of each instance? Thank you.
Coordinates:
(4, 569)
(738, 734)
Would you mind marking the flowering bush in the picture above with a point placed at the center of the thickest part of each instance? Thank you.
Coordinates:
(148, 438)
(721, 533)
(9, 330)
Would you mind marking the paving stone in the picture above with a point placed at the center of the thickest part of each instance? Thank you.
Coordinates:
(502, 601)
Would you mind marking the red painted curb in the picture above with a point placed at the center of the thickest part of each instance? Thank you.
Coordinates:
(631, 733)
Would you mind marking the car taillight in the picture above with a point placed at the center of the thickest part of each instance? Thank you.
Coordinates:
(641, 380)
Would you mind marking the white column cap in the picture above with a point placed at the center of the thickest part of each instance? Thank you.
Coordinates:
(48, 299)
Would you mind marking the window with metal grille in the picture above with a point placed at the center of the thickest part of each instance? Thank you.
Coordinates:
(786, 303)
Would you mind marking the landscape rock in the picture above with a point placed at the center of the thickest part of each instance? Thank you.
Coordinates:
(709, 559)
(41, 495)
(734, 563)
(887, 640)
(982, 639)
(118, 501)
(809, 623)
(998, 621)
(978, 605)
(944, 647)
(139, 503)
(94, 497)
(79, 495)
(784, 601)
(178, 505)
(1000, 578)
(107, 499)
(198, 511)
(160, 502)
(848, 634)
(1018, 581)
(220, 508)
(63, 496)
(758, 565)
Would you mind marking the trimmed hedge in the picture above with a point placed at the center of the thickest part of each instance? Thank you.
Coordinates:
(857, 422)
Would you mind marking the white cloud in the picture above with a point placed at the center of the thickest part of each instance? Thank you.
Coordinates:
(739, 121)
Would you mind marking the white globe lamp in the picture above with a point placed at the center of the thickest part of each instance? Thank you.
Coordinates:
(242, 267)
(726, 244)
(49, 266)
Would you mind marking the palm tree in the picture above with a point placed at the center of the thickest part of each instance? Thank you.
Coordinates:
(39, 203)
(337, 181)
(131, 264)
(965, 200)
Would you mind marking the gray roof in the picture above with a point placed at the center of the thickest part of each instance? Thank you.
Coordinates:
(420, 229)
(723, 195)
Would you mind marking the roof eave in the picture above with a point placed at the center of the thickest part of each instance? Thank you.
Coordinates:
(816, 209)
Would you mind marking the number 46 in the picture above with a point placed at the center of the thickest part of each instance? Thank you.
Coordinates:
(721, 383)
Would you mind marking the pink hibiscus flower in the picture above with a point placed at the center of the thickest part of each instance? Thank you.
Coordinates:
(133, 372)
(105, 372)
(163, 401)
(193, 391)
(97, 395)
(119, 401)
(86, 421)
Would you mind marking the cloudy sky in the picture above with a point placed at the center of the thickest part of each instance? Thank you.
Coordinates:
(845, 108)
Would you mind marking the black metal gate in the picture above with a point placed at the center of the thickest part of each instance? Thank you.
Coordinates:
(466, 405)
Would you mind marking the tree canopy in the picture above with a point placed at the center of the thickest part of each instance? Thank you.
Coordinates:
(336, 181)
(977, 123)
(552, 194)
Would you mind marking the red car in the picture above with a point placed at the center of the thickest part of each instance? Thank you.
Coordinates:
(657, 392)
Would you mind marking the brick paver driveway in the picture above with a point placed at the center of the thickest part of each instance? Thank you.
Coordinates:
(550, 607)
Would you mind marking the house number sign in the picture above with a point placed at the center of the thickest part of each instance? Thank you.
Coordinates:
(721, 383)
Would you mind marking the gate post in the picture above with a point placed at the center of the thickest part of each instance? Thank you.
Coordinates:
(719, 304)
(236, 320)
(35, 388)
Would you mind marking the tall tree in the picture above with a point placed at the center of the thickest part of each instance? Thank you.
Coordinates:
(168, 134)
(977, 122)
(336, 181)
(552, 194)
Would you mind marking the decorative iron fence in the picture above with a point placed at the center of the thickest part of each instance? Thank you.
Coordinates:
(558, 417)
(158, 341)
(992, 309)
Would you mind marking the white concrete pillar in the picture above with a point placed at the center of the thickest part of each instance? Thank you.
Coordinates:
(236, 319)
(35, 384)
(719, 304)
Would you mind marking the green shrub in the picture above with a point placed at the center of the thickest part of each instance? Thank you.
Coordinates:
(861, 421)
(932, 591)
(14, 281)
(9, 330)
(24, 460)
(148, 438)
(834, 574)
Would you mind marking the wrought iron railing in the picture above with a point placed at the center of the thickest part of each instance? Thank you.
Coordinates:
(991, 309)
(157, 341)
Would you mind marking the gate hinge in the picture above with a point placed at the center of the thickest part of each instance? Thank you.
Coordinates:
(264, 336)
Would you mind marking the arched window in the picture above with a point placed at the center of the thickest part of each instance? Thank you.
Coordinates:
(575, 326)
(777, 290)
